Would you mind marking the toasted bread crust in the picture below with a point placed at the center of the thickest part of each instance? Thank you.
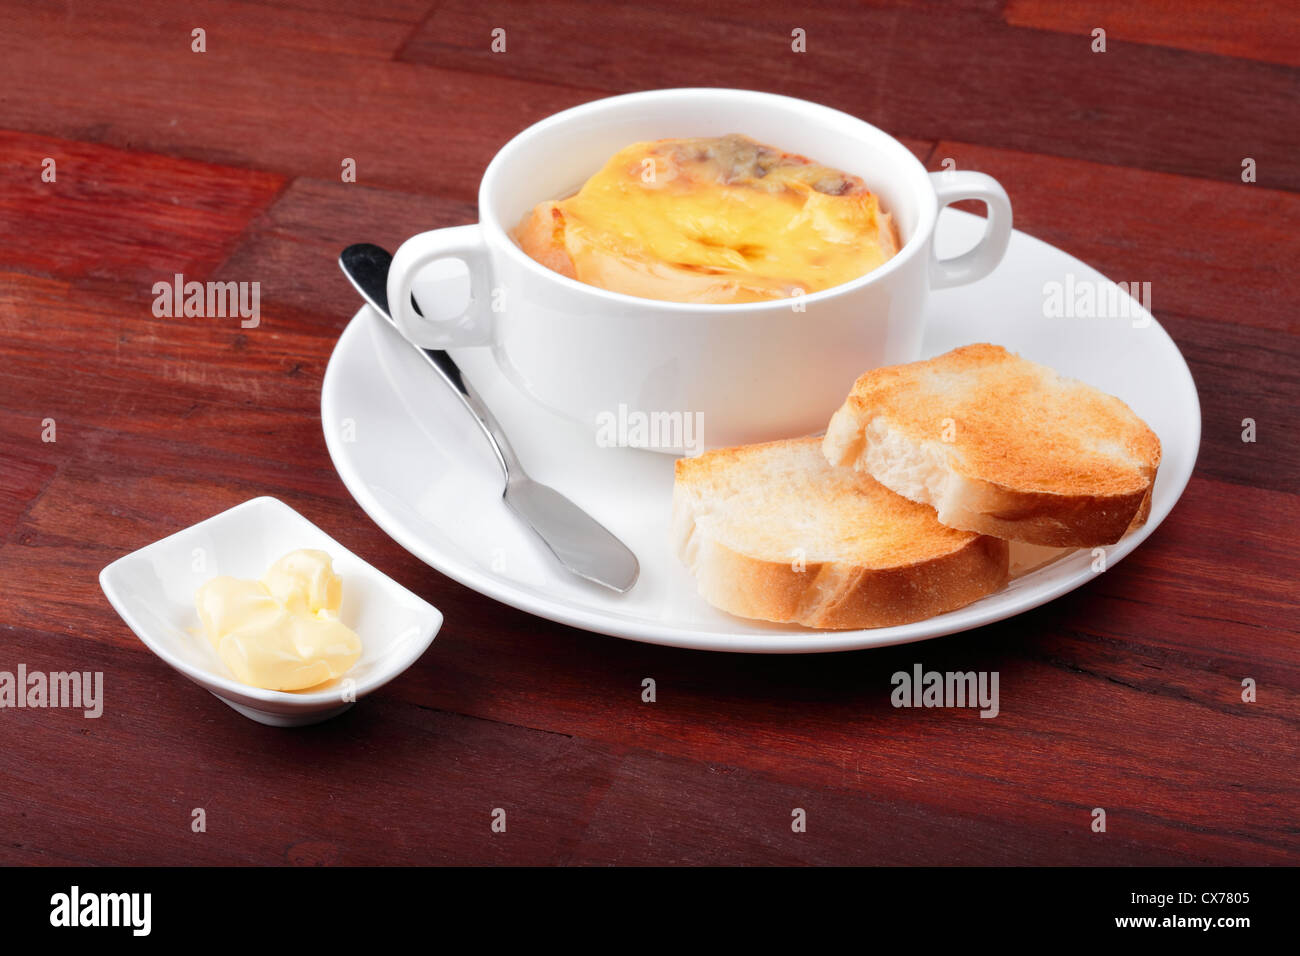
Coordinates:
(942, 570)
(999, 445)
(541, 236)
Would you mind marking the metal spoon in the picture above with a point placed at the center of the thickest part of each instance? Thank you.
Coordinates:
(577, 540)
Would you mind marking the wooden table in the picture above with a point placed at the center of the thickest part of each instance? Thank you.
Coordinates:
(226, 164)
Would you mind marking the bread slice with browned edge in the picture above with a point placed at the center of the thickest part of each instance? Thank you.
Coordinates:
(773, 532)
(1000, 445)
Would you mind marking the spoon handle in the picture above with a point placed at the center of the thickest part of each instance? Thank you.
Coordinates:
(366, 266)
(577, 540)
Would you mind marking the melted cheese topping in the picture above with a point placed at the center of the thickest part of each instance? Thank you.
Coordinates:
(712, 220)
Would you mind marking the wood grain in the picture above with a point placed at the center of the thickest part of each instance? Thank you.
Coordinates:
(306, 798)
(908, 70)
(294, 247)
(379, 31)
(1124, 694)
(1244, 373)
(120, 214)
(294, 114)
(1266, 32)
(1208, 248)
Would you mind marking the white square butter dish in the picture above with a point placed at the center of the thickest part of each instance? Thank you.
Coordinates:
(153, 590)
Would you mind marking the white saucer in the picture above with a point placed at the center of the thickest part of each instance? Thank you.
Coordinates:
(417, 463)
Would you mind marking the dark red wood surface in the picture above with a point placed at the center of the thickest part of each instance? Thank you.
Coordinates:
(1125, 694)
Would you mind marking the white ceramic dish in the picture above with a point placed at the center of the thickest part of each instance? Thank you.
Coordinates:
(417, 464)
(153, 590)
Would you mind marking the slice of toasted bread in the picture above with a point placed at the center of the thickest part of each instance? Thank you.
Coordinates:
(999, 445)
(775, 533)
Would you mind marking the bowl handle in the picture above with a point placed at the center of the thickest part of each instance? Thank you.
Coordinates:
(474, 326)
(953, 186)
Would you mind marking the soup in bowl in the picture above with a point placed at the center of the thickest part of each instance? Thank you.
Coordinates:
(774, 359)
